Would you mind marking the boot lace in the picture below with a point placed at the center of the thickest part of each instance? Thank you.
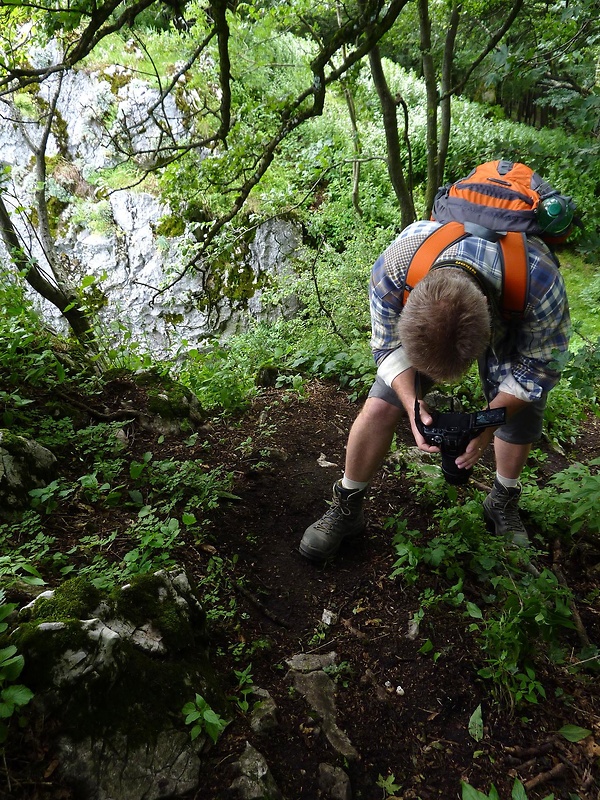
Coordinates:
(509, 512)
(334, 517)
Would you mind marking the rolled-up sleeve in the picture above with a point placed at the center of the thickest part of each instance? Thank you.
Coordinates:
(386, 306)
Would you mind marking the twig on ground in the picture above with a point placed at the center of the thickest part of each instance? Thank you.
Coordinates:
(527, 752)
(557, 771)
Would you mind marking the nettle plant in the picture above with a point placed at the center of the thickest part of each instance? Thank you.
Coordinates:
(521, 609)
(569, 506)
(203, 719)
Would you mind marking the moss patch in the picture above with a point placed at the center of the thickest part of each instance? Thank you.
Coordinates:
(171, 226)
(42, 650)
(166, 397)
(145, 600)
(74, 599)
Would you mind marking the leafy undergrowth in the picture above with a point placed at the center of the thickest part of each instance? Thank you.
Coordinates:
(456, 661)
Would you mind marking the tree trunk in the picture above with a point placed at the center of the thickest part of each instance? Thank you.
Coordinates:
(390, 126)
(349, 97)
(66, 302)
(446, 85)
(431, 90)
(59, 290)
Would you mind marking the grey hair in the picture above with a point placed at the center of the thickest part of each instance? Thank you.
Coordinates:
(445, 325)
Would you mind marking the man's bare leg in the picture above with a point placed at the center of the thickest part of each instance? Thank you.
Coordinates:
(370, 438)
(369, 441)
(510, 458)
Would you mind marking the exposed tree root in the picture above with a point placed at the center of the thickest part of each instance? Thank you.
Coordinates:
(557, 771)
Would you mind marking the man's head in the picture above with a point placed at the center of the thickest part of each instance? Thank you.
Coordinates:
(445, 324)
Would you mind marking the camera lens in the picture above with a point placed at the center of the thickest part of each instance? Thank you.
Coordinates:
(452, 473)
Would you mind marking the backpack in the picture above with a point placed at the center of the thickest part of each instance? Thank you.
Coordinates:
(501, 201)
(506, 196)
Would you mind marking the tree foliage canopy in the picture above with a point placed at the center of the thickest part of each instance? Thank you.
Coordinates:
(251, 79)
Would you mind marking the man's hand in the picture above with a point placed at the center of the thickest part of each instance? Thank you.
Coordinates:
(475, 449)
(404, 386)
(426, 419)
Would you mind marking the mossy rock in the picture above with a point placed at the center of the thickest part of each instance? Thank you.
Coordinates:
(169, 405)
(76, 598)
(24, 465)
(94, 675)
(167, 397)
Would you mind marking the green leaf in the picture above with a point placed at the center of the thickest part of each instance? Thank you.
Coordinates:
(469, 793)
(17, 695)
(474, 611)
(11, 668)
(476, 724)
(195, 732)
(7, 609)
(7, 652)
(213, 724)
(136, 469)
(33, 581)
(136, 497)
(228, 495)
(573, 733)
(518, 791)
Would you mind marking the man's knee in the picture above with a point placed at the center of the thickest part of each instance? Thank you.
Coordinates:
(379, 412)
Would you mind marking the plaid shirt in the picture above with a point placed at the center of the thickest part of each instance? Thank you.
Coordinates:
(520, 352)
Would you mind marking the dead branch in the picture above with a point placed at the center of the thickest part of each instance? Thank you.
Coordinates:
(261, 607)
(120, 414)
(556, 772)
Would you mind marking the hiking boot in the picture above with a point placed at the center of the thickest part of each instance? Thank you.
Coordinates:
(501, 513)
(344, 519)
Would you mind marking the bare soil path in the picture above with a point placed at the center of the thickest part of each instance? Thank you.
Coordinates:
(405, 711)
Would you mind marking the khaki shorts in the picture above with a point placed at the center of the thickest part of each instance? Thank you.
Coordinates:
(524, 428)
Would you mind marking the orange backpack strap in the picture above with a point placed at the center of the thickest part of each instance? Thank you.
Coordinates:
(430, 249)
(514, 263)
(515, 275)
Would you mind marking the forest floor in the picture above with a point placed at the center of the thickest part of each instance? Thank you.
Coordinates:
(285, 452)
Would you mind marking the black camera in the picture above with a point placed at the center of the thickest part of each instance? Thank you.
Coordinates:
(452, 431)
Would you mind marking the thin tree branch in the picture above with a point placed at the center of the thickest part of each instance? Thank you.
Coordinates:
(494, 40)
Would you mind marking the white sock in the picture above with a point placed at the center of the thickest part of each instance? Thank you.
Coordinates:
(508, 483)
(355, 486)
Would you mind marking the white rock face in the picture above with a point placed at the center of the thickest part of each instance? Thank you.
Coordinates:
(124, 249)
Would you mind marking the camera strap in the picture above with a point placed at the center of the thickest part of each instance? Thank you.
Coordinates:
(418, 397)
